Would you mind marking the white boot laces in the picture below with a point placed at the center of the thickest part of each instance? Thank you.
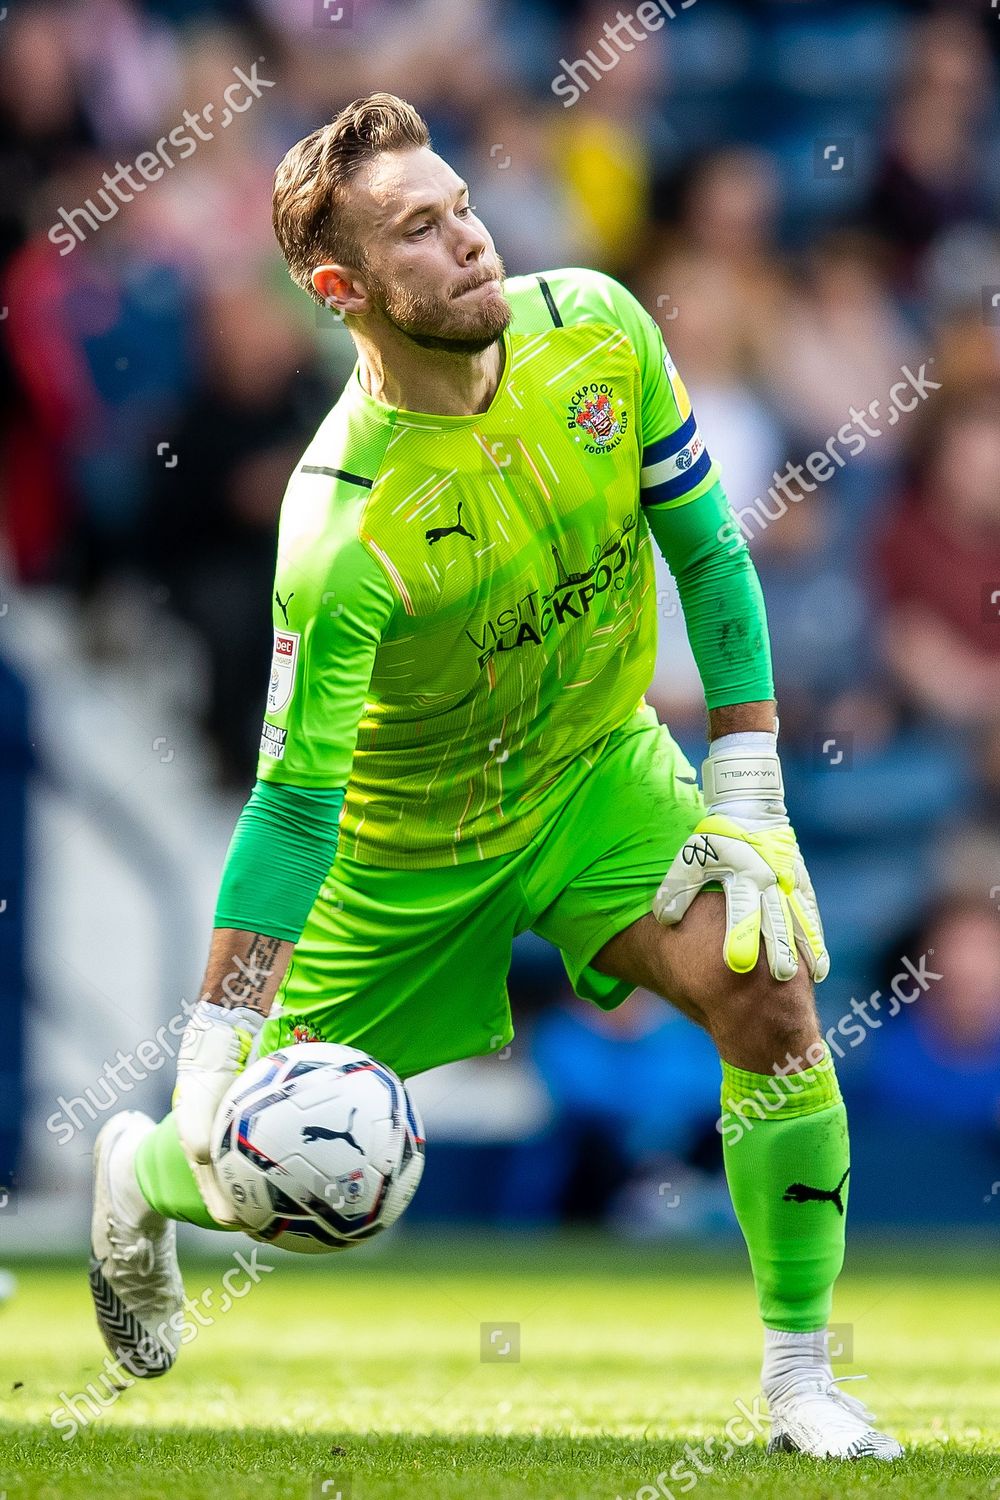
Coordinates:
(850, 1403)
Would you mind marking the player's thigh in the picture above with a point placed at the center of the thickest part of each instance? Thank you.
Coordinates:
(754, 1018)
(602, 861)
(409, 965)
(683, 962)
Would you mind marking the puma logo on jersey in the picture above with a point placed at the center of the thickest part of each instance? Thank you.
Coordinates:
(283, 603)
(801, 1192)
(437, 532)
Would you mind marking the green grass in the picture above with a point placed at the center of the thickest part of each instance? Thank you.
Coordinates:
(367, 1367)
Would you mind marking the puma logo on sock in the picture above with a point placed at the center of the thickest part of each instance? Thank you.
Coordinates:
(801, 1192)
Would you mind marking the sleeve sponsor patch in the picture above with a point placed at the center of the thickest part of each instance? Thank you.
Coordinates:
(272, 741)
(283, 662)
(677, 386)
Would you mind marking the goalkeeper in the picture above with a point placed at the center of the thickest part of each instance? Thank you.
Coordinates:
(456, 746)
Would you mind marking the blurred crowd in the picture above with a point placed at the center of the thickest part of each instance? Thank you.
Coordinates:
(805, 196)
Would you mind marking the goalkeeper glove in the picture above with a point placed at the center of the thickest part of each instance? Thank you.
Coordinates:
(215, 1045)
(746, 844)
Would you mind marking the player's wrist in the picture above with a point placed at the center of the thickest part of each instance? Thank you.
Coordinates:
(742, 771)
(763, 740)
(209, 1012)
(741, 779)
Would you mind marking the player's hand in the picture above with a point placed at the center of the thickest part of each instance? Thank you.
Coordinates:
(215, 1045)
(746, 844)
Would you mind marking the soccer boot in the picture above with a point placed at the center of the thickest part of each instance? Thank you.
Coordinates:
(134, 1277)
(810, 1414)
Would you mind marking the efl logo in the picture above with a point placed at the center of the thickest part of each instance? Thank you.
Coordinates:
(690, 454)
(283, 659)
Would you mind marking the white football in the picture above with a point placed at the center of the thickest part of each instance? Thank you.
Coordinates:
(317, 1147)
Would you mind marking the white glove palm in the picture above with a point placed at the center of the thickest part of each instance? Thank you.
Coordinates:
(215, 1045)
(746, 844)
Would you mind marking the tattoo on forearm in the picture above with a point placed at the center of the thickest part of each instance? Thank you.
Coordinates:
(246, 983)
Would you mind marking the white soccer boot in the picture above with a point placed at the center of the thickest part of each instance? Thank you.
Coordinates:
(810, 1414)
(134, 1277)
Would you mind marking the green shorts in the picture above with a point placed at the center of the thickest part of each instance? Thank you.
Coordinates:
(411, 965)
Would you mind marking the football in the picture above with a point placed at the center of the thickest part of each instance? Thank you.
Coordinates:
(317, 1147)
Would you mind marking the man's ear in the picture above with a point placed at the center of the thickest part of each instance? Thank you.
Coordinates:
(340, 289)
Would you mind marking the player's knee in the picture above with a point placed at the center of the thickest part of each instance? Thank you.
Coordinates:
(779, 1015)
(786, 1009)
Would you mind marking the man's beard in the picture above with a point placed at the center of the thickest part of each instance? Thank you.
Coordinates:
(440, 322)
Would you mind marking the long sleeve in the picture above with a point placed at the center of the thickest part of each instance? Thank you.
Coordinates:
(689, 516)
(282, 828)
(720, 595)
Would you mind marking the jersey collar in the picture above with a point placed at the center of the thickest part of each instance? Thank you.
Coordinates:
(402, 418)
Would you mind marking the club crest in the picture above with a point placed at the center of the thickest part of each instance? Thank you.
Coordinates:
(593, 411)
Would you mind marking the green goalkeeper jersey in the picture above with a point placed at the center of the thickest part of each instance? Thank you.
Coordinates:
(464, 607)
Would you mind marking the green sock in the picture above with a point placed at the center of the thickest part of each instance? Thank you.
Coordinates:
(166, 1180)
(787, 1160)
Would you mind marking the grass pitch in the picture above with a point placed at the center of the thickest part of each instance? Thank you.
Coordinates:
(365, 1373)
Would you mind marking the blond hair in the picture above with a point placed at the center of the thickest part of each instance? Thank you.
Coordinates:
(308, 206)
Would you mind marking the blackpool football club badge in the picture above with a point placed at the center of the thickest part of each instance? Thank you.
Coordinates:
(595, 415)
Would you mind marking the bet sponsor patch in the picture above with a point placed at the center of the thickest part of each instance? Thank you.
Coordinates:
(272, 741)
(283, 662)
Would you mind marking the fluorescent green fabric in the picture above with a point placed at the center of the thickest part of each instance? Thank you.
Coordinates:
(756, 1095)
(281, 850)
(720, 595)
(166, 1180)
(787, 1161)
(464, 606)
(412, 967)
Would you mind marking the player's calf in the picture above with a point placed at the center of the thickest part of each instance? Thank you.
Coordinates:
(786, 1154)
